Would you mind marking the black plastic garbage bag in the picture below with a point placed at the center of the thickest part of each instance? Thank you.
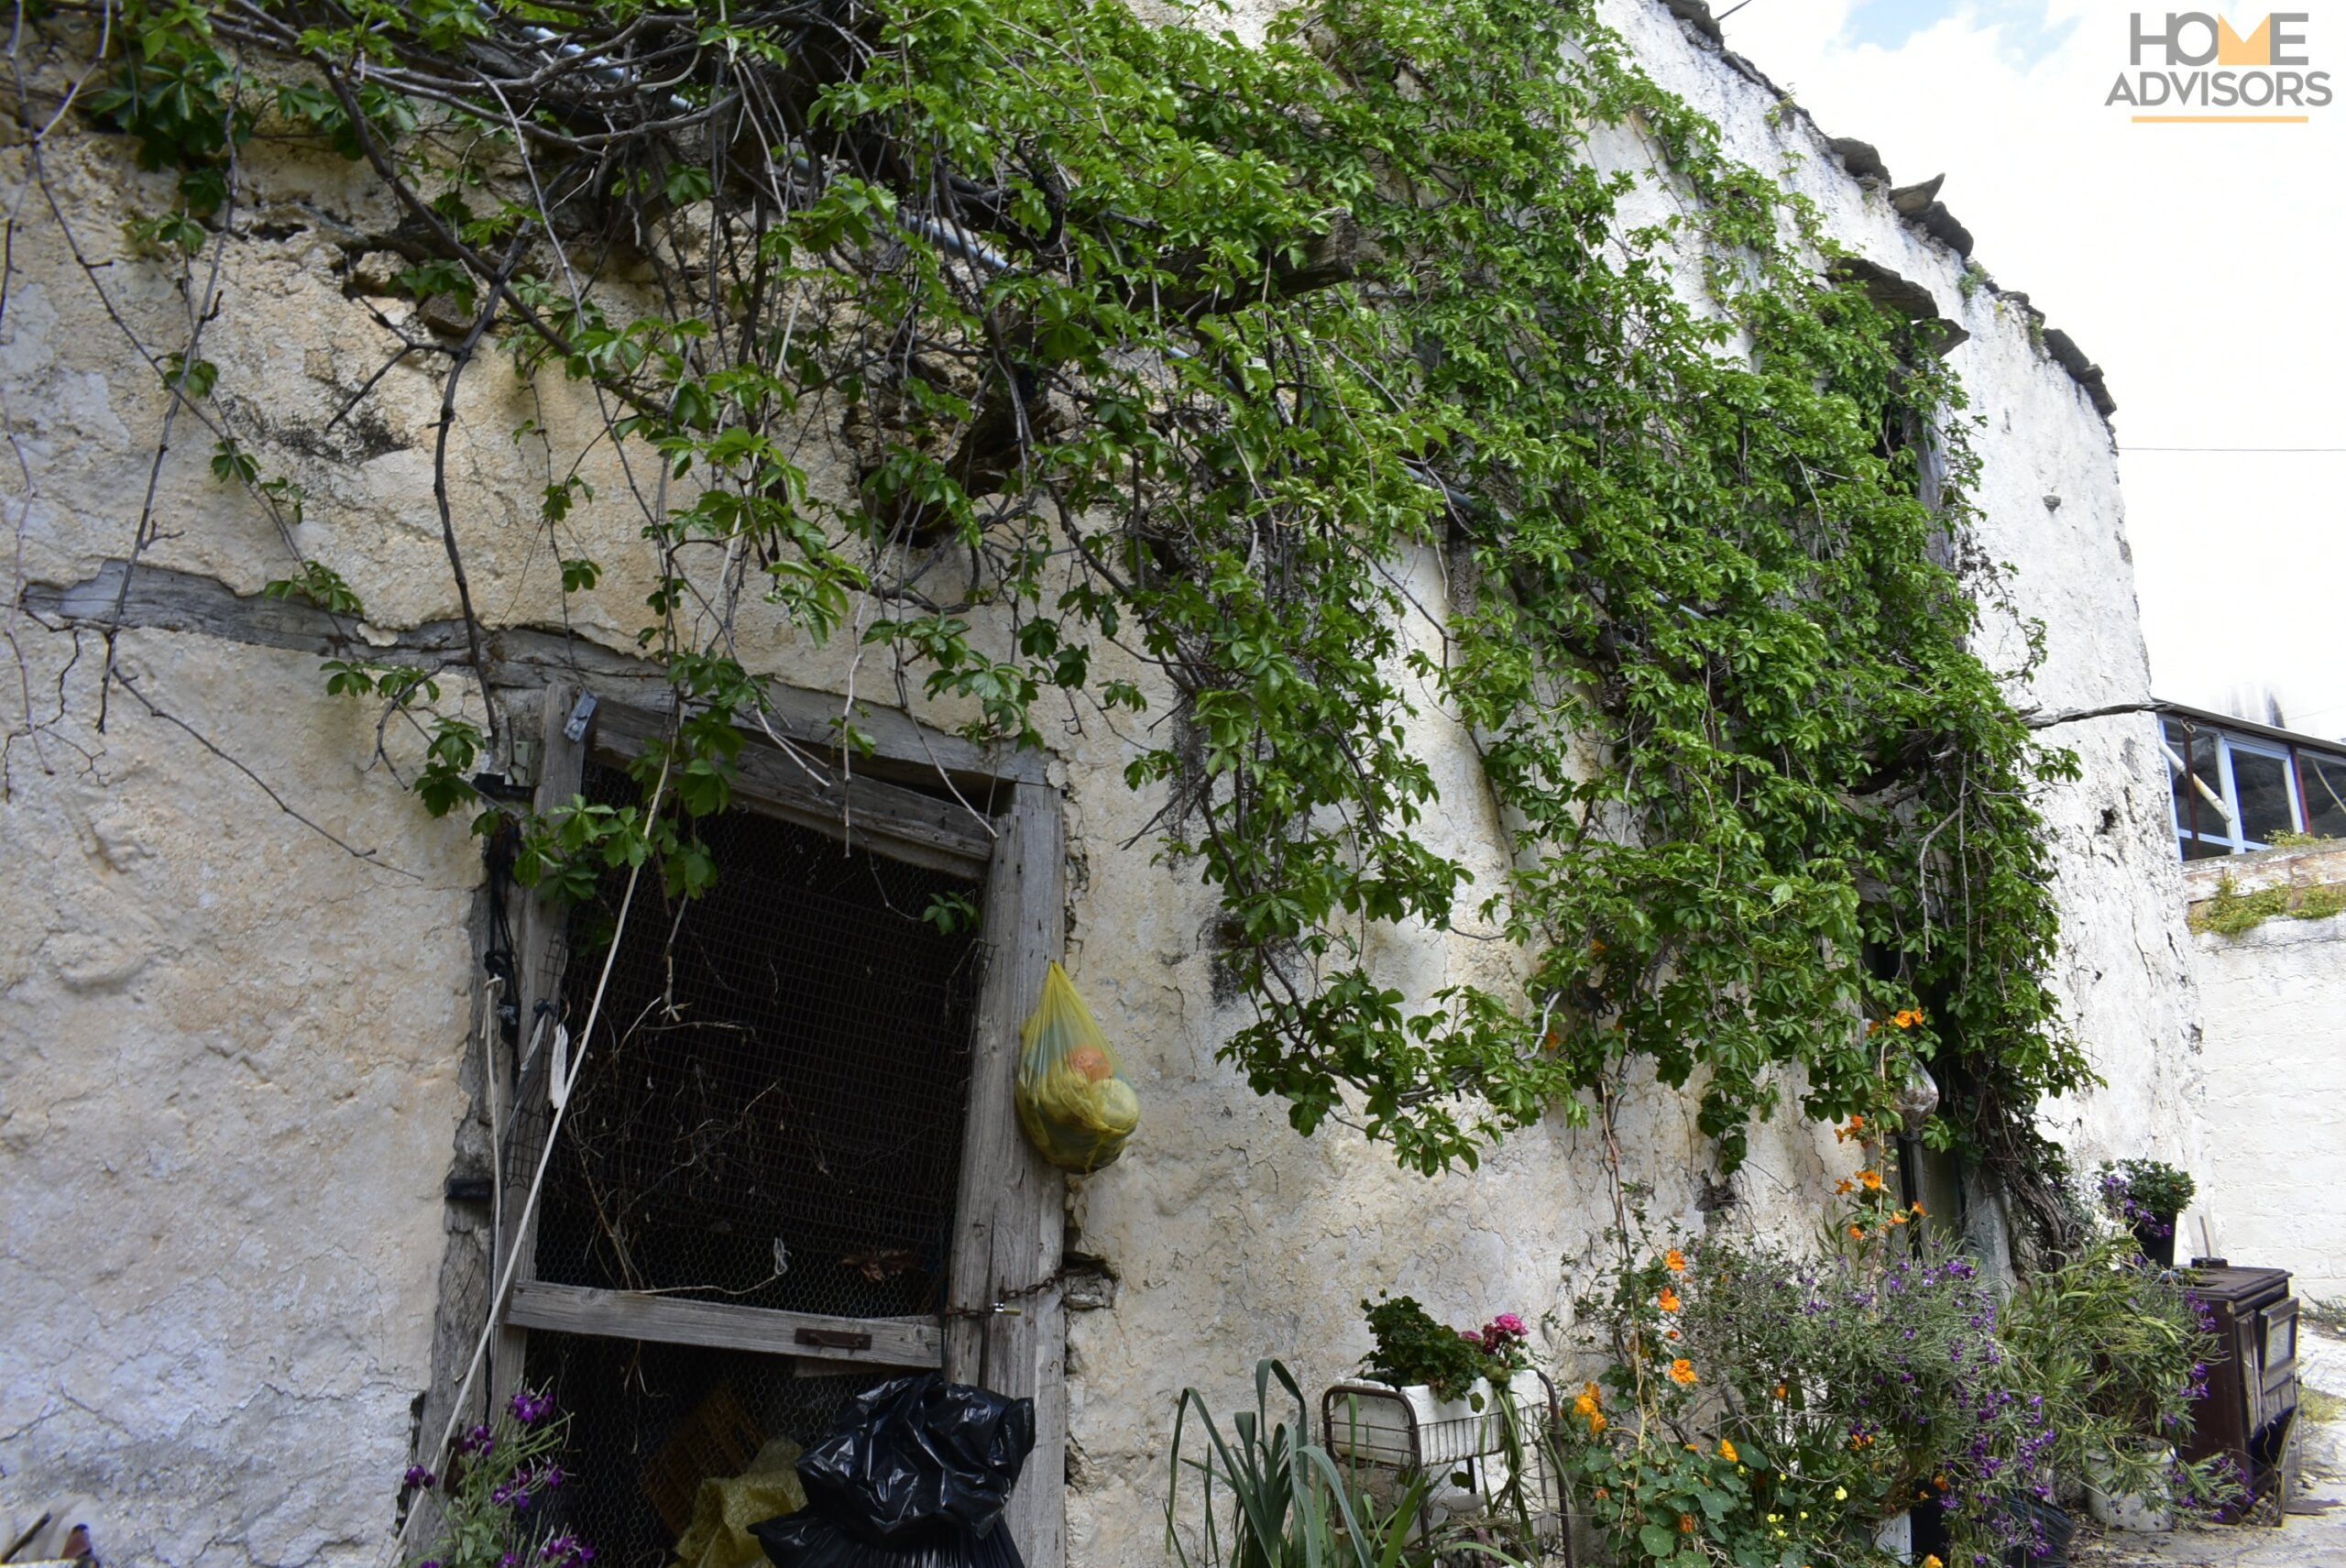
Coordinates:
(914, 1475)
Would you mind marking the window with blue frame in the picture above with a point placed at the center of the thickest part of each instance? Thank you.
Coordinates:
(2234, 791)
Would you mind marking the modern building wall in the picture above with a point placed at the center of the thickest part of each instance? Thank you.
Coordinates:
(2274, 1000)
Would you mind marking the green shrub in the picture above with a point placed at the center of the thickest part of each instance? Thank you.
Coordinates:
(1267, 1497)
(2116, 1351)
(2232, 913)
(1775, 1408)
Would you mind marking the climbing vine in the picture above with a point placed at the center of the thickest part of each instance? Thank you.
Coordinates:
(1074, 361)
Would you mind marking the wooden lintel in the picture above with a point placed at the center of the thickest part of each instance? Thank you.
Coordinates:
(889, 819)
(518, 656)
(722, 1325)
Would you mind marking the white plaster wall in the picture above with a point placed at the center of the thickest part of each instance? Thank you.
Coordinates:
(2274, 1161)
(226, 1096)
(223, 1167)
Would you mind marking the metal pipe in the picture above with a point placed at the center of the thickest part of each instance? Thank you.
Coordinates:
(2211, 796)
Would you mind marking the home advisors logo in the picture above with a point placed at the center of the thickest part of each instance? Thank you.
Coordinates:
(2254, 80)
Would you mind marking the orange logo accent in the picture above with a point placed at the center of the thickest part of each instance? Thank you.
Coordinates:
(2255, 49)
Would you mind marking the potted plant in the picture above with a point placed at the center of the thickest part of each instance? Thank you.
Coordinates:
(1450, 1379)
(2115, 1351)
(2147, 1195)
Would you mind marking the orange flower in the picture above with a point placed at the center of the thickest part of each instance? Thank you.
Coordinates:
(1844, 1186)
(1685, 1524)
(1872, 1179)
(1779, 1390)
(1857, 1123)
(1857, 1233)
(1681, 1371)
(1670, 1333)
(1728, 1452)
(1586, 1406)
(1916, 1207)
(1675, 1261)
(1603, 1493)
(1669, 1299)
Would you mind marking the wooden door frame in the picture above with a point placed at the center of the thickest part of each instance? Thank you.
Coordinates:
(1003, 1326)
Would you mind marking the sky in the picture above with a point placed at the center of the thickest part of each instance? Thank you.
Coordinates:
(2200, 265)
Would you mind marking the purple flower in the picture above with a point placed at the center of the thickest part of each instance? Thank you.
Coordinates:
(530, 1409)
(423, 1480)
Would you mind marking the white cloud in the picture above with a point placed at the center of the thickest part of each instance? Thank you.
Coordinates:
(2200, 265)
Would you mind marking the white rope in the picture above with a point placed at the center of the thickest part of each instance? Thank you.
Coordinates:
(537, 1186)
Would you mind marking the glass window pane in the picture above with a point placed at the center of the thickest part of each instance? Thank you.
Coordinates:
(2192, 811)
(2325, 782)
(2204, 849)
(2263, 786)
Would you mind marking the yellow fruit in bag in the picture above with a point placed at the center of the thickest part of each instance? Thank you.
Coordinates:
(1072, 1099)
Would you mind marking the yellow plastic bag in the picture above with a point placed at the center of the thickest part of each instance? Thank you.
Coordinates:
(1072, 1097)
(725, 1508)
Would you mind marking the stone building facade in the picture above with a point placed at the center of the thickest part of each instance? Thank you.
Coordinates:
(238, 965)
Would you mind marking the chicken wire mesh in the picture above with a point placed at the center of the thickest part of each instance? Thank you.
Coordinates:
(649, 1422)
(769, 1109)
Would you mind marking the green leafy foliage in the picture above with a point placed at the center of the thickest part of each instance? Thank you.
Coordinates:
(2136, 1189)
(1167, 364)
(951, 913)
(196, 377)
(1412, 1348)
(2232, 913)
(1263, 1495)
(317, 584)
(2119, 1352)
(496, 1472)
(1764, 1409)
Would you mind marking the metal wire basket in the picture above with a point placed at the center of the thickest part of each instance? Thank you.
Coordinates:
(1495, 1463)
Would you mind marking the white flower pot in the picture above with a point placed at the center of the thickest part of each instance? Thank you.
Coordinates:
(1452, 1437)
(2149, 1512)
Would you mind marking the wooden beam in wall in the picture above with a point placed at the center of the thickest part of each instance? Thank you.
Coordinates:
(888, 819)
(722, 1325)
(519, 657)
(541, 952)
(1006, 1325)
